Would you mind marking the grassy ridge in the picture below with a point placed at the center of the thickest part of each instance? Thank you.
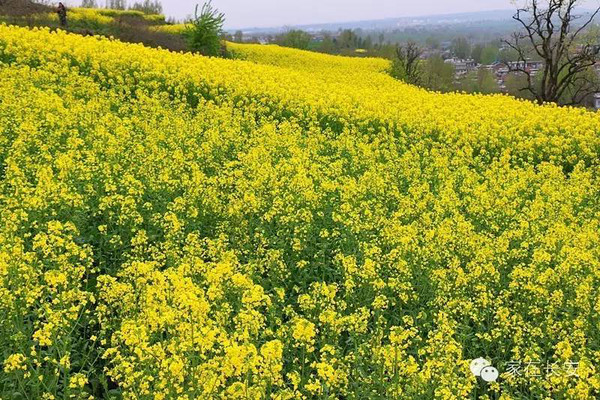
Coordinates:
(127, 25)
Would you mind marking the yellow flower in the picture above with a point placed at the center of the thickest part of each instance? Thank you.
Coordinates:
(77, 381)
(15, 362)
(304, 331)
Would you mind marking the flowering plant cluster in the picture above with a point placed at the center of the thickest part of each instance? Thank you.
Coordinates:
(290, 226)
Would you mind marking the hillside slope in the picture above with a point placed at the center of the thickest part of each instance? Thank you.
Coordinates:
(126, 25)
(294, 225)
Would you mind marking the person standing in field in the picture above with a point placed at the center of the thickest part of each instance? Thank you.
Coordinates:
(62, 14)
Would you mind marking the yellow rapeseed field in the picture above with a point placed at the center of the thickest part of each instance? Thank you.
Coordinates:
(290, 226)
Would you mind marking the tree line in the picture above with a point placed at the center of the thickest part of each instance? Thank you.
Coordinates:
(145, 6)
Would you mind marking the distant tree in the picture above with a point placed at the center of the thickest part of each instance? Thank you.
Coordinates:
(461, 48)
(581, 92)
(348, 39)
(148, 6)
(295, 38)
(514, 83)
(437, 74)
(477, 52)
(551, 32)
(238, 36)
(204, 31)
(89, 4)
(386, 51)
(432, 42)
(484, 54)
(116, 4)
(405, 65)
(507, 55)
(480, 81)
(327, 45)
(486, 81)
(489, 55)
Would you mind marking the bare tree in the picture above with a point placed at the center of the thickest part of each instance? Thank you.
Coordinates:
(405, 65)
(116, 4)
(148, 6)
(553, 33)
(89, 4)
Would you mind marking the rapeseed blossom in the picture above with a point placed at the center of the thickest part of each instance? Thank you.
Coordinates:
(288, 226)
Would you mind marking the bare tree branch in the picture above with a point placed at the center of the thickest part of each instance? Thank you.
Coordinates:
(406, 64)
(548, 33)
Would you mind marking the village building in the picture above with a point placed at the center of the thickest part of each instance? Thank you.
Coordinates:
(462, 67)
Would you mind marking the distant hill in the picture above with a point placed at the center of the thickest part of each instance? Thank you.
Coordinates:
(400, 22)
(496, 20)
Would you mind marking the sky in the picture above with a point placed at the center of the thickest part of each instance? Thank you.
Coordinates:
(277, 13)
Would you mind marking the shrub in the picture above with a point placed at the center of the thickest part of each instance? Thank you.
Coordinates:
(203, 33)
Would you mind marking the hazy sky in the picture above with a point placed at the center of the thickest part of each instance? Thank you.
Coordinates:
(267, 13)
(275, 13)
